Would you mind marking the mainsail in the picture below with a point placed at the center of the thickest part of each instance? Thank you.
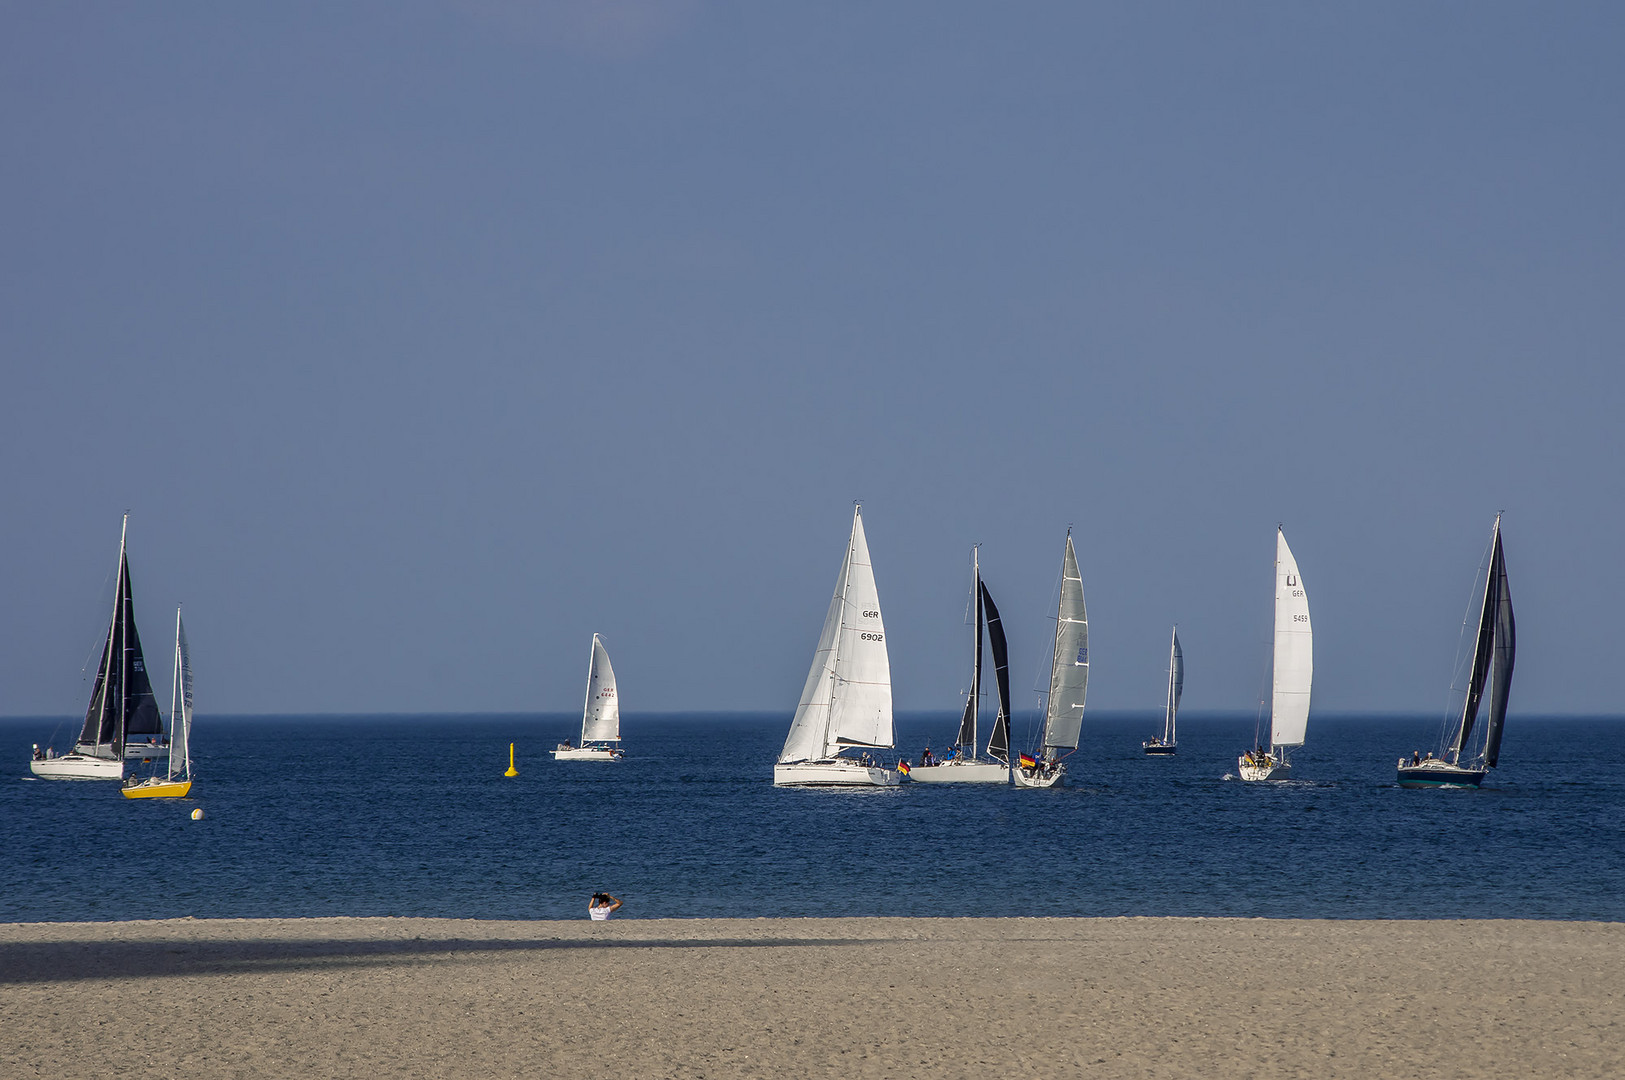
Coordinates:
(601, 718)
(121, 702)
(1493, 655)
(846, 700)
(1069, 673)
(180, 705)
(966, 738)
(998, 742)
(1176, 687)
(1294, 651)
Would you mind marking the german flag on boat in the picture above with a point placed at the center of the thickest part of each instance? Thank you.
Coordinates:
(902, 767)
(1028, 761)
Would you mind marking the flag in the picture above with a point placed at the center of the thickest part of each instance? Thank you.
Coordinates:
(1028, 761)
(902, 767)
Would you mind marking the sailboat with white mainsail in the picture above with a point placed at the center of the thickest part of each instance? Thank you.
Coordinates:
(1293, 667)
(1068, 682)
(846, 702)
(1164, 746)
(600, 717)
(121, 703)
(1462, 763)
(175, 783)
(964, 766)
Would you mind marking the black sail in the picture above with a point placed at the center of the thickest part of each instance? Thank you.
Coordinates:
(967, 723)
(1483, 647)
(1502, 656)
(122, 690)
(998, 743)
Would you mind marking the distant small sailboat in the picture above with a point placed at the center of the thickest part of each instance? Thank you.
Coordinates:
(600, 717)
(1494, 650)
(175, 783)
(1068, 683)
(1293, 668)
(964, 767)
(1164, 746)
(846, 701)
(121, 703)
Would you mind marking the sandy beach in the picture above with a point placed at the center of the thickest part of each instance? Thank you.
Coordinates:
(812, 997)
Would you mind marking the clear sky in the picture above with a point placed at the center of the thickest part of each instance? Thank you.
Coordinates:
(423, 340)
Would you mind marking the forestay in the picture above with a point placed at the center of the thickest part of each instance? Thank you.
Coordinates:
(1294, 651)
(601, 719)
(1069, 673)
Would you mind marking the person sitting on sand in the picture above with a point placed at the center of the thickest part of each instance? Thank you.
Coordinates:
(602, 906)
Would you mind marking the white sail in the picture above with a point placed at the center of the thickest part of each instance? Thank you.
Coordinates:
(180, 714)
(1069, 670)
(1294, 651)
(846, 700)
(1176, 687)
(601, 718)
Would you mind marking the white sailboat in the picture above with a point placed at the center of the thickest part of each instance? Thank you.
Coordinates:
(1165, 745)
(965, 767)
(1293, 668)
(600, 717)
(121, 703)
(175, 783)
(1068, 683)
(1461, 764)
(846, 702)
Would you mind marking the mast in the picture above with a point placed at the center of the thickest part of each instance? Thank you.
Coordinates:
(124, 639)
(835, 658)
(174, 702)
(968, 722)
(586, 706)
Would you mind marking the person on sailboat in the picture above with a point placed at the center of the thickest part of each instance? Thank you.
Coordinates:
(602, 906)
(926, 761)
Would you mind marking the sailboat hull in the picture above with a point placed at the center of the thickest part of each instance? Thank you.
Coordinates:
(1040, 776)
(158, 788)
(1266, 770)
(1159, 749)
(961, 772)
(836, 773)
(589, 753)
(137, 750)
(77, 767)
(1436, 773)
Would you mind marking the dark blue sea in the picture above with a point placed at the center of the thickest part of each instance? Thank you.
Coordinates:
(311, 816)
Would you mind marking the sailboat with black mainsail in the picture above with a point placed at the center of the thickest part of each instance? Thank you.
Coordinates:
(121, 703)
(600, 717)
(1165, 745)
(1293, 668)
(965, 767)
(1068, 682)
(1462, 763)
(176, 782)
(846, 702)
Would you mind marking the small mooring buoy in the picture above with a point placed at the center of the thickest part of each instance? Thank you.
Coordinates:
(197, 815)
(511, 770)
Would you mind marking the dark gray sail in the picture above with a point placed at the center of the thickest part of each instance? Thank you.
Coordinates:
(1491, 654)
(966, 740)
(998, 743)
(1176, 687)
(121, 702)
(1501, 657)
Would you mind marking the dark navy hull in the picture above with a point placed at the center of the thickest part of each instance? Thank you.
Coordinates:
(1161, 749)
(1439, 774)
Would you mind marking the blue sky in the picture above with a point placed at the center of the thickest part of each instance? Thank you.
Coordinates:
(422, 341)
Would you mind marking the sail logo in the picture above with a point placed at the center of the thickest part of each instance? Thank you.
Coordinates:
(1083, 657)
(1291, 580)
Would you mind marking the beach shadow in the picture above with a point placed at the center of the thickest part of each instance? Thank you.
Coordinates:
(23, 962)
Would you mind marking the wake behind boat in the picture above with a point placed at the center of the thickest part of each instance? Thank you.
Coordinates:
(175, 783)
(1164, 746)
(600, 717)
(121, 703)
(1068, 683)
(1494, 649)
(1292, 665)
(846, 702)
(964, 767)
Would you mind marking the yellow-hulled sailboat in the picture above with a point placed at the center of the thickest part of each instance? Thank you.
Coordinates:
(175, 783)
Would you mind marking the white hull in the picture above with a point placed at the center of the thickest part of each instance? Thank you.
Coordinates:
(961, 772)
(1268, 770)
(589, 753)
(77, 767)
(137, 751)
(1040, 777)
(837, 773)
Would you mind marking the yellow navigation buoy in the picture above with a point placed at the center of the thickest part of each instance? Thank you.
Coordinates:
(511, 770)
(197, 815)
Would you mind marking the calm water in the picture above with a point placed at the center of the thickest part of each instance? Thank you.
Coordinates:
(412, 816)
